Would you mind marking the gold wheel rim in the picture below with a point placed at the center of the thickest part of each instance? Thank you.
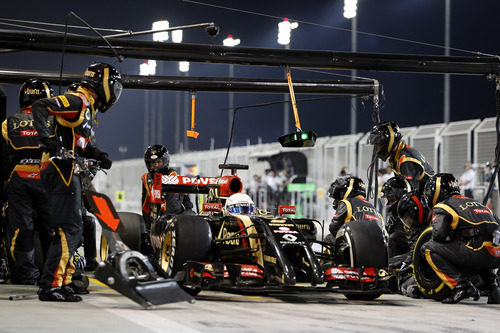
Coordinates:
(104, 248)
(166, 251)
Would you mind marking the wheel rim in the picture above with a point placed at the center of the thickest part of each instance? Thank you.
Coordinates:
(166, 252)
(104, 248)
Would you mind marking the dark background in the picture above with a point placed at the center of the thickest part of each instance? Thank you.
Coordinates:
(411, 99)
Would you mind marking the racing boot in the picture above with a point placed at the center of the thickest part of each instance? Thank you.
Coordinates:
(74, 289)
(56, 295)
(494, 294)
(462, 291)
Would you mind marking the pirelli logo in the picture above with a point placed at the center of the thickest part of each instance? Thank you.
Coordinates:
(64, 101)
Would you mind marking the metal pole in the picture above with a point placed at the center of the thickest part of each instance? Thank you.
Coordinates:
(3, 146)
(186, 118)
(146, 118)
(231, 104)
(286, 107)
(177, 137)
(159, 122)
(447, 19)
(354, 47)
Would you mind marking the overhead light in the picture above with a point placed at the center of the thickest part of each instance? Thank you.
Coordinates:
(230, 41)
(184, 66)
(160, 25)
(350, 8)
(284, 31)
(177, 36)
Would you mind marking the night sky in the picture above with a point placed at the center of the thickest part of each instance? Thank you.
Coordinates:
(410, 99)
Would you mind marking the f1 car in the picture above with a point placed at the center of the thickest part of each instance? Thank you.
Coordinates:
(257, 253)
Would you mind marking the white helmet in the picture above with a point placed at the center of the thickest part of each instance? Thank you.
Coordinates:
(239, 203)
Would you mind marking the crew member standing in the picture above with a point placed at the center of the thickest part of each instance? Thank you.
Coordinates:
(403, 159)
(25, 192)
(75, 115)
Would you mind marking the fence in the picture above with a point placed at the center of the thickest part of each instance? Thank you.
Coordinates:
(446, 146)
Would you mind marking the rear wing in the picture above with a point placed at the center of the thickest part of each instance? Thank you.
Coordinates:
(223, 186)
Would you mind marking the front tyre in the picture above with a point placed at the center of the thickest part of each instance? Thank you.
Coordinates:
(187, 237)
(427, 280)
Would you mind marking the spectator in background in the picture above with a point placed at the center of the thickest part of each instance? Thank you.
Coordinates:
(344, 172)
(466, 180)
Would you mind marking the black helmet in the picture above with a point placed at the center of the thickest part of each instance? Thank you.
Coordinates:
(155, 153)
(106, 81)
(392, 190)
(73, 87)
(413, 211)
(346, 187)
(386, 137)
(33, 90)
(439, 187)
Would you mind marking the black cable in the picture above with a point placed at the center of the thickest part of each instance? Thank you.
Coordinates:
(120, 58)
(63, 51)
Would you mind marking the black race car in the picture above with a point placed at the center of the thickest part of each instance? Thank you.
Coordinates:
(259, 253)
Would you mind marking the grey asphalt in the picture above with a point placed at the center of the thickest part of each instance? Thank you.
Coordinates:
(105, 310)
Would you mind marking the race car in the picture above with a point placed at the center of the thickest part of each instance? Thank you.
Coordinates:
(256, 253)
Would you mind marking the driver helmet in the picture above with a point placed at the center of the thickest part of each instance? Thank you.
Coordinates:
(156, 158)
(392, 190)
(106, 82)
(440, 187)
(346, 187)
(413, 211)
(386, 137)
(33, 90)
(239, 203)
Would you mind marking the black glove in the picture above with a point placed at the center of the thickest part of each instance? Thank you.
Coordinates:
(50, 146)
(104, 160)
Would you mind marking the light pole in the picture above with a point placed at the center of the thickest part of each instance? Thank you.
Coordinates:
(230, 41)
(177, 38)
(284, 33)
(158, 122)
(147, 68)
(184, 67)
(350, 11)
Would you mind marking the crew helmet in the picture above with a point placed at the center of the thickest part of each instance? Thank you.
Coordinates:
(440, 187)
(413, 210)
(106, 81)
(32, 90)
(392, 190)
(386, 137)
(239, 203)
(156, 153)
(72, 88)
(346, 187)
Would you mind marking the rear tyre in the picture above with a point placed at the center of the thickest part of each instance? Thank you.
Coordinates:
(130, 229)
(427, 280)
(187, 237)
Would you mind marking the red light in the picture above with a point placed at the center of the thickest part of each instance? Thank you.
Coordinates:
(285, 19)
(230, 36)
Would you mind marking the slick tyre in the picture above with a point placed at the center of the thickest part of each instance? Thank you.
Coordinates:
(130, 229)
(427, 280)
(187, 237)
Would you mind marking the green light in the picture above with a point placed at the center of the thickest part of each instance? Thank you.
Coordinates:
(304, 136)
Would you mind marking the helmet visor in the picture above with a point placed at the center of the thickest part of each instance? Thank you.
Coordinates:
(241, 209)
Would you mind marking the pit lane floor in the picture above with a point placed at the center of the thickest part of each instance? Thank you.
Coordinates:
(104, 310)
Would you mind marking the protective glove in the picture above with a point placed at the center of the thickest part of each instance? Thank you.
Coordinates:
(50, 146)
(104, 160)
